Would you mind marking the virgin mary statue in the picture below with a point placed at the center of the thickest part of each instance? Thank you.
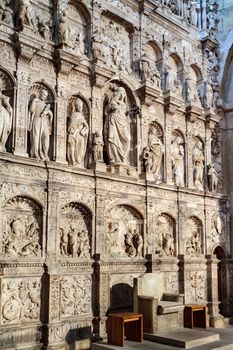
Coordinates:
(118, 128)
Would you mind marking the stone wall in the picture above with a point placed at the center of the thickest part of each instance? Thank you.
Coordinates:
(111, 163)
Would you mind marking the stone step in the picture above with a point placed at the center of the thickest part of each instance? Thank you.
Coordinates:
(184, 338)
(228, 321)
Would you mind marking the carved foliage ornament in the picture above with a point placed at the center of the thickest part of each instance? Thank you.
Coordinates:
(75, 296)
(21, 300)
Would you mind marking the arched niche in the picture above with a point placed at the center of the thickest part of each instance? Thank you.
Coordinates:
(22, 228)
(75, 231)
(78, 131)
(174, 75)
(7, 101)
(153, 154)
(194, 85)
(124, 233)
(75, 28)
(178, 158)
(193, 237)
(120, 125)
(164, 237)
(41, 122)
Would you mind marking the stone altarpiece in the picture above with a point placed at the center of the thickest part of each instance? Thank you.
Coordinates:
(111, 163)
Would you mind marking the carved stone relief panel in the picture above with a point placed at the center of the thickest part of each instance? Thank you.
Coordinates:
(22, 228)
(151, 65)
(116, 45)
(195, 287)
(194, 237)
(74, 30)
(40, 122)
(77, 132)
(75, 296)
(218, 228)
(171, 282)
(124, 233)
(20, 300)
(75, 231)
(34, 17)
(162, 239)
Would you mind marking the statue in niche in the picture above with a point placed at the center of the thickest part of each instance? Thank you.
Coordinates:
(198, 164)
(44, 27)
(98, 147)
(169, 79)
(145, 67)
(217, 233)
(22, 237)
(177, 157)
(212, 178)
(64, 31)
(153, 154)
(97, 44)
(40, 126)
(6, 13)
(64, 241)
(78, 131)
(118, 128)
(5, 119)
(194, 10)
(26, 16)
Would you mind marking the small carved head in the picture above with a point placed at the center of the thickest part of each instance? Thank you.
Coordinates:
(43, 94)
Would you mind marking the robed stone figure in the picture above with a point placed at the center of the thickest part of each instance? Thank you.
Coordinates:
(5, 120)
(40, 126)
(78, 131)
(117, 128)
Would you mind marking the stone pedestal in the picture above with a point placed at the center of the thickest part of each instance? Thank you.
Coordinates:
(98, 166)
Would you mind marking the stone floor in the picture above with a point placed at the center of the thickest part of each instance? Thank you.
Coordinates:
(225, 343)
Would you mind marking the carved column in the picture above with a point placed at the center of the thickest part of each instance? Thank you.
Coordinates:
(61, 127)
(216, 320)
(21, 127)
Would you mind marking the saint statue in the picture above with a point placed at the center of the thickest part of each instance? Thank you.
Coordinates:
(78, 131)
(118, 128)
(153, 154)
(177, 156)
(5, 120)
(40, 126)
(198, 163)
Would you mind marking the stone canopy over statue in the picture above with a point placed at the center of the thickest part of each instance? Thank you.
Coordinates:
(117, 127)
